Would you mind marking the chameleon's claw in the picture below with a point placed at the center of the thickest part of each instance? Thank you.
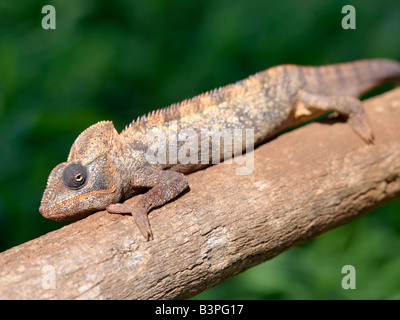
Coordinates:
(370, 139)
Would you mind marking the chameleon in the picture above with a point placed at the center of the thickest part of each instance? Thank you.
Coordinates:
(104, 168)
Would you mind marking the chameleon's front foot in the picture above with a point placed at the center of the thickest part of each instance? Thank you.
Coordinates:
(139, 213)
(165, 185)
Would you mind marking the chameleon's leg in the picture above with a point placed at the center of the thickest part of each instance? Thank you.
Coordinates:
(165, 186)
(345, 105)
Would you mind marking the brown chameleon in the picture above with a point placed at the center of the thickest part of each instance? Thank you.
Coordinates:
(104, 168)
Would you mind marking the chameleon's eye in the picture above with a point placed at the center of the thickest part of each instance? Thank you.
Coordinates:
(74, 176)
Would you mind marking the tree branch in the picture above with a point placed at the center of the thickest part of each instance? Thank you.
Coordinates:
(304, 183)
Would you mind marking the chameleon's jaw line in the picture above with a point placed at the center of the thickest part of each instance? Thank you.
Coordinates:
(45, 209)
(56, 212)
(47, 213)
(50, 212)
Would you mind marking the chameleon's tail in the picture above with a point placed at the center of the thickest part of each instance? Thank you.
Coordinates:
(375, 72)
(358, 77)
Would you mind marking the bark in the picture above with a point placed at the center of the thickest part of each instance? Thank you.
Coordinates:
(305, 182)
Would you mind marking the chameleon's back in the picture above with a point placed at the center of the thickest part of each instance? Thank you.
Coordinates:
(264, 102)
(253, 104)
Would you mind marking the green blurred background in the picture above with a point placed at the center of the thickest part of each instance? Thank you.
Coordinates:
(116, 60)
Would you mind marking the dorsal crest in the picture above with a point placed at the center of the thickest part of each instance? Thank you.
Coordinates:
(177, 110)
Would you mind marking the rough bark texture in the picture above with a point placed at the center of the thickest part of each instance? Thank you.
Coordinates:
(304, 183)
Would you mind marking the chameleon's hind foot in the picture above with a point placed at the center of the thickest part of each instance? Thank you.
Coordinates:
(346, 105)
(359, 123)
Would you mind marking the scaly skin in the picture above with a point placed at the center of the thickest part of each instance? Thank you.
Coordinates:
(104, 167)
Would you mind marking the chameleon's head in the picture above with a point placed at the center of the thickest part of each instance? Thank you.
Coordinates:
(87, 181)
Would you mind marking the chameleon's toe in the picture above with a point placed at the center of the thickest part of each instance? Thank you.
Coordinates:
(142, 221)
(140, 215)
(360, 125)
(117, 208)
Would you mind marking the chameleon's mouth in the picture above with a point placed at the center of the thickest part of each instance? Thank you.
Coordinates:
(46, 211)
(48, 214)
(59, 213)
(56, 212)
